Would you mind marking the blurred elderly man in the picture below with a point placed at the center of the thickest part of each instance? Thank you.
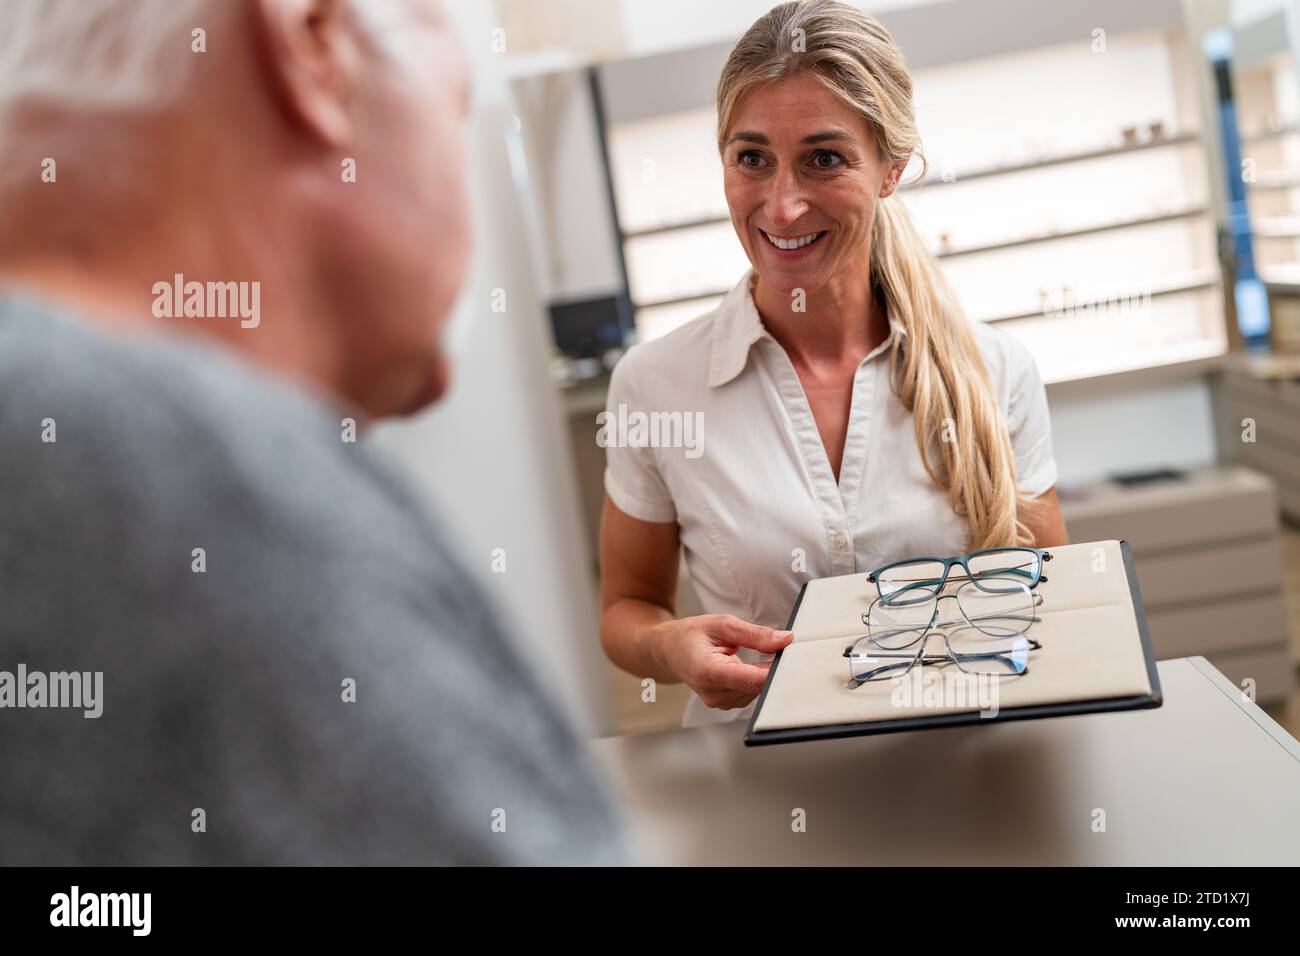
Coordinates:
(229, 231)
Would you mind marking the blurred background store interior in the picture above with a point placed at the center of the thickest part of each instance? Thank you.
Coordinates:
(1114, 182)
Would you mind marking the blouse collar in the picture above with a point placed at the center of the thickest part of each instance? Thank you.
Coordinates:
(737, 326)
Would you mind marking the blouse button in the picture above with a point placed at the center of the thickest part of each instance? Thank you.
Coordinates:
(839, 542)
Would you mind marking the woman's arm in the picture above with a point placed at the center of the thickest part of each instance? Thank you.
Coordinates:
(641, 634)
(1046, 522)
(638, 589)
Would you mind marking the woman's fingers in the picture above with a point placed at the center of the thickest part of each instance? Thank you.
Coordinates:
(707, 661)
(766, 640)
(728, 702)
(735, 676)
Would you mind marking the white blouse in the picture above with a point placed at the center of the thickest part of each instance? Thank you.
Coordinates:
(743, 472)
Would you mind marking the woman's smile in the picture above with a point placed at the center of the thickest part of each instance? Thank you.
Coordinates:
(786, 248)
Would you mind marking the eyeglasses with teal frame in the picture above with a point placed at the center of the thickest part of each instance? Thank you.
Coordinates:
(917, 580)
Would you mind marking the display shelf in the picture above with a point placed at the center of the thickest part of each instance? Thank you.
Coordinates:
(1282, 277)
(1266, 135)
(682, 299)
(1171, 285)
(677, 226)
(1104, 152)
(1051, 236)
(1277, 179)
(1278, 227)
(1203, 354)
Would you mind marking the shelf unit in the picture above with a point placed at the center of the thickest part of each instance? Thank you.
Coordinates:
(1209, 565)
(1265, 390)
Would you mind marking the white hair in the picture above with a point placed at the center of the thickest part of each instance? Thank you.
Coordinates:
(97, 52)
(124, 53)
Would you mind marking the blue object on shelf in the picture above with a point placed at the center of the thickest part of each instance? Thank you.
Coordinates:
(1249, 293)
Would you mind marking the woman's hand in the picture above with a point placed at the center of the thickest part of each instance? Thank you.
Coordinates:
(701, 652)
(641, 633)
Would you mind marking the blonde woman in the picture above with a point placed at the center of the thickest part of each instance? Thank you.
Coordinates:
(852, 415)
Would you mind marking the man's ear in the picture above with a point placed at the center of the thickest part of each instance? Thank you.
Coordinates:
(312, 57)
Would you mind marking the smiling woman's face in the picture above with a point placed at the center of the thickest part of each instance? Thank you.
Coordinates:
(802, 178)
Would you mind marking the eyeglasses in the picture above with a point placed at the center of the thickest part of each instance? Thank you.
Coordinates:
(995, 611)
(918, 580)
(867, 663)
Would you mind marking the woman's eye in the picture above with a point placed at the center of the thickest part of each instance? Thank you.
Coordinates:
(826, 159)
(750, 158)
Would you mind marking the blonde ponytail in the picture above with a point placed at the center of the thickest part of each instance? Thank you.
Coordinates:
(937, 370)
